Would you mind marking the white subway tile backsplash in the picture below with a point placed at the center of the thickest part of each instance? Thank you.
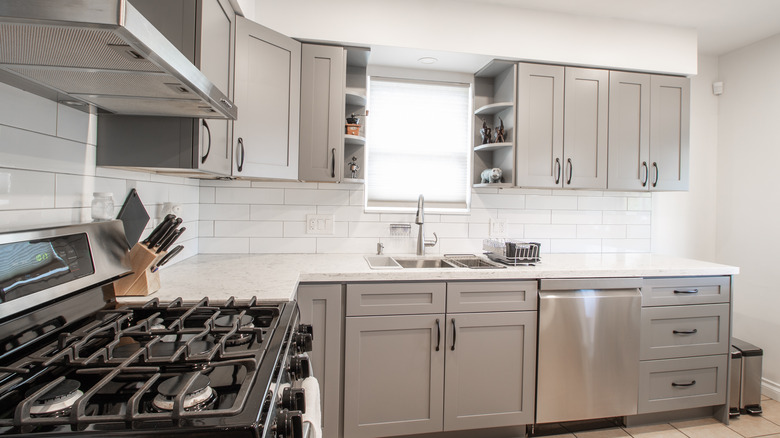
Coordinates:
(77, 190)
(575, 246)
(640, 203)
(350, 245)
(345, 213)
(281, 212)
(498, 200)
(555, 231)
(444, 230)
(76, 125)
(286, 245)
(601, 231)
(205, 228)
(29, 150)
(27, 111)
(627, 217)
(225, 183)
(207, 195)
(248, 229)
(626, 245)
(357, 197)
(22, 189)
(369, 229)
(316, 197)
(183, 194)
(14, 220)
(638, 231)
(237, 212)
(460, 246)
(601, 203)
(576, 217)
(110, 172)
(479, 230)
(526, 216)
(537, 202)
(240, 195)
(223, 245)
(479, 215)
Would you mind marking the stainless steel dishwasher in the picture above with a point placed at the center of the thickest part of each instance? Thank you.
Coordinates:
(588, 360)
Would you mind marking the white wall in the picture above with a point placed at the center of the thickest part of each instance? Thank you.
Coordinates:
(48, 173)
(487, 28)
(748, 202)
(684, 222)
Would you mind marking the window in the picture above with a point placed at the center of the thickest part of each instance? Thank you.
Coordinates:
(418, 143)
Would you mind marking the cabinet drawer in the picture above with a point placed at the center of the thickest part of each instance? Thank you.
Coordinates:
(683, 331)
(491, 296)
(397, 298)
(686, 290)
(666, 385)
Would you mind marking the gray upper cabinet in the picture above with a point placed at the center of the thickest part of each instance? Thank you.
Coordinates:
(649, 124)
(629, 131)
(585, 128)
(203, 32)
(267, 89)
(670, 99)
(539, 128)
(323, 77)
(562, 127)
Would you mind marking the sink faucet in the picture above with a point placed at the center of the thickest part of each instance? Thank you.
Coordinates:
(420, 220)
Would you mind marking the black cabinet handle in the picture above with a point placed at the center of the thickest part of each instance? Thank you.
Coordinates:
(454, 332)
(686, 291)
(208, 147)
(691, 383)
(333, 162)
(557, 171)
(647, 173)
(438, 334)
(685, 332)
(241, 155)
(655, 181)
(571, 170)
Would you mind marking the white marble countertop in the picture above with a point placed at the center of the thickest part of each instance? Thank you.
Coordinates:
(275, 277)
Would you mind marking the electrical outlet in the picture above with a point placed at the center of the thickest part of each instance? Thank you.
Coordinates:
(320, 224)
(497, 227)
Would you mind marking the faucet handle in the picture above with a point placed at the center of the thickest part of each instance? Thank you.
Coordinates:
(432, 243)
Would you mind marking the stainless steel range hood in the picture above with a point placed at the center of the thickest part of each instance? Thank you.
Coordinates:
(105, 53)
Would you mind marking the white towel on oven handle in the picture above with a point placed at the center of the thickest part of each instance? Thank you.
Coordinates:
(313, 414)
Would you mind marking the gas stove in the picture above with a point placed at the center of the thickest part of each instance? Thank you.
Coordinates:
(79, 365)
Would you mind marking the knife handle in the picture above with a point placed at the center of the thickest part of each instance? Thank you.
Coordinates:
(164, 245)
(168, 232)
(159, 228)
(167, 257)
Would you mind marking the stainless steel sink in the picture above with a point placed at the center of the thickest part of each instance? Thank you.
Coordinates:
(459, 261)
(424, 263)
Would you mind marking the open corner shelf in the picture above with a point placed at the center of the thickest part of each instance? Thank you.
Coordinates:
(492, 146)
(493, 108)
(354, 140)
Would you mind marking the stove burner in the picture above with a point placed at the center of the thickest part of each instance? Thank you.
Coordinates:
(125, 350)
(227, 321)
(200, 397)
(57, 401)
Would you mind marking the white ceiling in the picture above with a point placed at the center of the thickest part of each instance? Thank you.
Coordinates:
(722, 25)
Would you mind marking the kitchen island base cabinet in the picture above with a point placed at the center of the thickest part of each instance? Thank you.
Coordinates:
(322, 306)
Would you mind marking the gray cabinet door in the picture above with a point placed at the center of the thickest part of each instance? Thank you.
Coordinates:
(393, 375)
(323, 77)
(629, 131)
(669, 132)
(267, 91)
(322, 306)
(490, 370)
(585, 128)
(539, 128)
(216, 62)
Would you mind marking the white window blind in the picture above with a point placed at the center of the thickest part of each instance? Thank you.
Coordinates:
(418, 143)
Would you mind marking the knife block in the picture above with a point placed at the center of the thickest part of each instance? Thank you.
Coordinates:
(142, 281)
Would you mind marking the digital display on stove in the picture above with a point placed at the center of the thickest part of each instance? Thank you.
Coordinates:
(31, 266)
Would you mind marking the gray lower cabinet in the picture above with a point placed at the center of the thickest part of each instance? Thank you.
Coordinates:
(685, 343)
(410, 368)
(322, 306)
(267, 92)
(323, 77)
(393, 375)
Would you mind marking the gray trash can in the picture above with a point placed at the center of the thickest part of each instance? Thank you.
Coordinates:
(750, 377)
(735, 381)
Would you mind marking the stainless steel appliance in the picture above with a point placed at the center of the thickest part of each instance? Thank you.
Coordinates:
(588, 358)
(105, 53)
(74, 364)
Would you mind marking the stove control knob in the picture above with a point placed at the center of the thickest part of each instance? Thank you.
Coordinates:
(306, 328)
(299, 367)
(294, 399)
(289, 424)
(303, 342)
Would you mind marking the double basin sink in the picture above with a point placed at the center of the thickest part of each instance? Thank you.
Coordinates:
(455, 261)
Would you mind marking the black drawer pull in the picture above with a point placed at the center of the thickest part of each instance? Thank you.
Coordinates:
(685, 332)
(691, 383)
(686, 291)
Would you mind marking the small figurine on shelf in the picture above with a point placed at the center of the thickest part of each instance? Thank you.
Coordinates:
(492, 176)
(353, 167)
(500, 138)
(485, 131)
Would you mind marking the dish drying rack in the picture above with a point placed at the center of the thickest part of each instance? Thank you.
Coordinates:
(512, 251)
